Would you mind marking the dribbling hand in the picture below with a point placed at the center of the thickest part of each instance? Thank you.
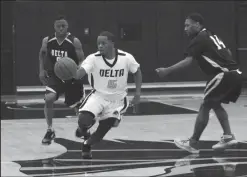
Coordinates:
(162, 72)
(135, 103)
(43, 75)
(135, 100)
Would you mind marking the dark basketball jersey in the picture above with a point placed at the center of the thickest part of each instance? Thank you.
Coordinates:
(211, 53)
(56, 50)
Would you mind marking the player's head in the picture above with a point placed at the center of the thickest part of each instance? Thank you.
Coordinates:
(193, 24)
(105, 42)
(61, 25)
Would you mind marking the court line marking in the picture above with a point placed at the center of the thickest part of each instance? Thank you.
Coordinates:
(37, 109)
(23, 121)
(114, 165)
(41, 100)
(86, 173)
(90, 166)
(133, 150)
(169, 118)
(27, 108)
(182, 170)
(90, 173)
(7, 162)
(184, 107)
(106, 160)
(130, 86)
(144, 160)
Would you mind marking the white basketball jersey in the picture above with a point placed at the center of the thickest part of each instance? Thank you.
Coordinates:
(109, 77)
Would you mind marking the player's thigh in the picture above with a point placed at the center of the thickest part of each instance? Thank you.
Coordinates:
(74, 93)
(52, 93)
(233, 80)
(222, 87)
(93, 104)
(115, 110)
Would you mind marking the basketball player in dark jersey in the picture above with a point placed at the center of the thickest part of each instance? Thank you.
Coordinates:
(60, 44)
(224, 82)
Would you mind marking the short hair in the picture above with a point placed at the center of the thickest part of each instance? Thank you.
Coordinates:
(109, 35)
(196, 17)
(61, 17)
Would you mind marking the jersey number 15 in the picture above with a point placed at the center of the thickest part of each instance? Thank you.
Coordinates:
(217, 42)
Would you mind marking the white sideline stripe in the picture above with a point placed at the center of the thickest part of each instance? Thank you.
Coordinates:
(137, 160)
(86, 173)
(133, 150)
(152, 85)
(160, 161)
(35, 121)
(242, 49)
(30, 108)
(191, 96)
(107, 160)
(126, 160)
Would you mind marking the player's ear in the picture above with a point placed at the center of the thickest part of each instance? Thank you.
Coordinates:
(198, 25)
(111, 43)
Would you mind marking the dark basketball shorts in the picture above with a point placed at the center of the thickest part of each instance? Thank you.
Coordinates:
(73, 91)
(224, 88)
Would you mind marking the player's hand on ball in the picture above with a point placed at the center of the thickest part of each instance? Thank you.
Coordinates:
(43, 76)
(162, 72)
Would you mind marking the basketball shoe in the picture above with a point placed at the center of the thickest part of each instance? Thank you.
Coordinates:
(86, 151)
(49, 136)
(188, 145)
(226, 141)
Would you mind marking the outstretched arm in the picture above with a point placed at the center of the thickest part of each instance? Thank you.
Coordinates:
(178, 66)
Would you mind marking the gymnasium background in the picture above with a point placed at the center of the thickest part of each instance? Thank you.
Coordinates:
(151, 31)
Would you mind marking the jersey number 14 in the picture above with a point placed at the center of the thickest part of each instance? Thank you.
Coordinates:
(217, 42)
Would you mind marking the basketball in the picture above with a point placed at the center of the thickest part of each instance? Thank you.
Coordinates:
(65, 68)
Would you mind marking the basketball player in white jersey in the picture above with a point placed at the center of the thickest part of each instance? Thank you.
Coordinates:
(108, 69)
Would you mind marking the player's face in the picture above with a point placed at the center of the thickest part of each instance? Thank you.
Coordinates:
(190, 27)
(104, 45)
(61, 27)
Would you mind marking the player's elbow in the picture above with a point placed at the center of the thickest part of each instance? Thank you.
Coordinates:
(138, 74)
(138, 71)
(188, 60)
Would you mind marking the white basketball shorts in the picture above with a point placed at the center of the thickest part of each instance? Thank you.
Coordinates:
(102, 108)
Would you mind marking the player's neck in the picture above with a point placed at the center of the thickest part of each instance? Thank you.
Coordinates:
(111, 54)
(61, 38)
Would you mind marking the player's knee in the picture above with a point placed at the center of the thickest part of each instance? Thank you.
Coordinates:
(86, 119)
(111, 122)
(217, 106)
(208, 105)
(50, 98)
